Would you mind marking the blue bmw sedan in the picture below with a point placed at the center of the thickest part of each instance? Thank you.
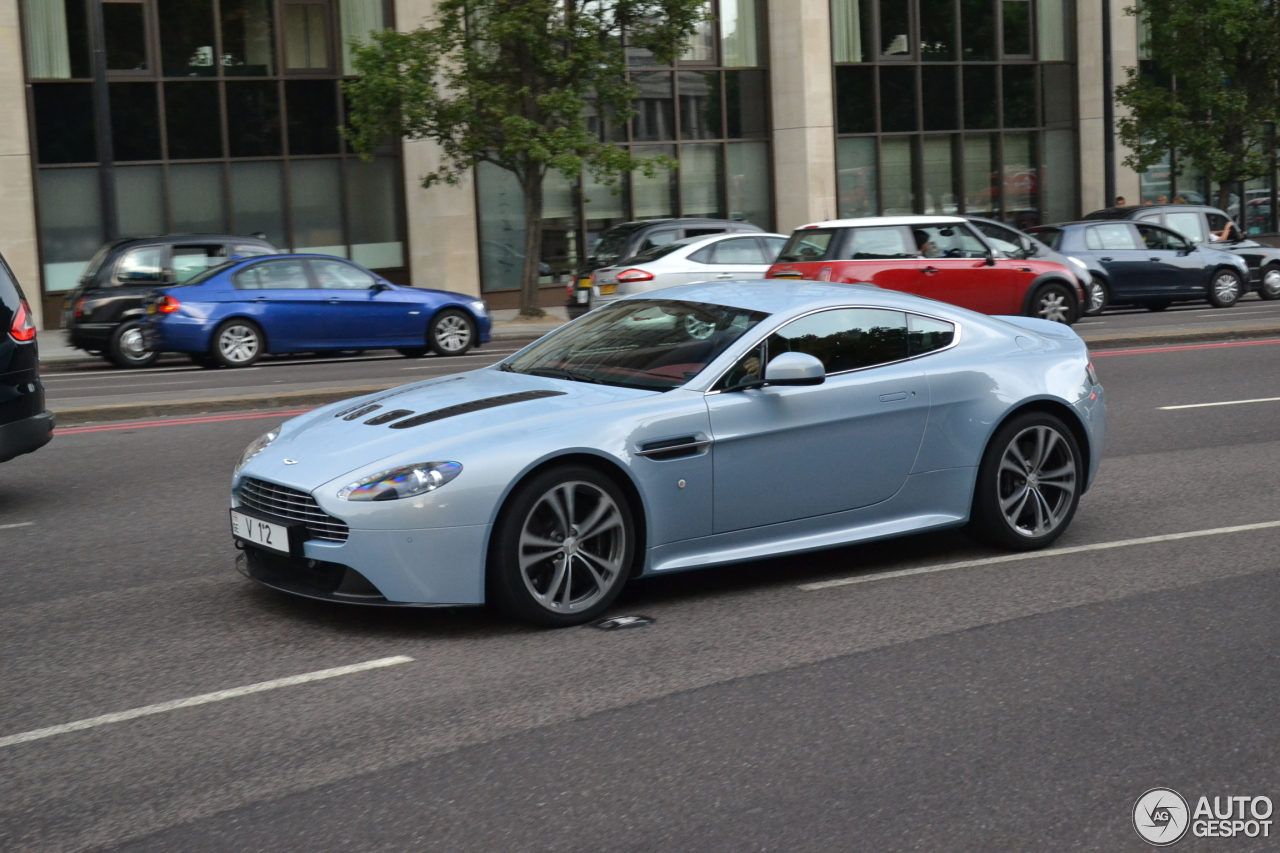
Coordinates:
(231, 315)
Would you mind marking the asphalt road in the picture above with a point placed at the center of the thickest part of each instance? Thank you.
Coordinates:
(1000, 706)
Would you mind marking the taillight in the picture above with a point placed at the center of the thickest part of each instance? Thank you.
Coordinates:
(1091, 374)
(168, 305)
(79, 309)
(634, 275)
(23, 328)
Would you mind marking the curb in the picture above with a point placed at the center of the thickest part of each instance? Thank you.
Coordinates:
(1188, 336)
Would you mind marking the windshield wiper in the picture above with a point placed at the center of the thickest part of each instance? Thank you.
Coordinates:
(564, 373)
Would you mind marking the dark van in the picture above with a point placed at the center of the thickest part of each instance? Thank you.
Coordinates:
(24, 424)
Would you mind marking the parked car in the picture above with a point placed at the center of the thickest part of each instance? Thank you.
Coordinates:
(24, 424)
(1140, 263)
(700, 425)
(229, 316)
(1205, 225)
(941, 257)
(685, 261)
(104, 312)
(628, 239)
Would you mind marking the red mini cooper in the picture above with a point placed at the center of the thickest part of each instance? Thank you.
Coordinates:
(941, 257)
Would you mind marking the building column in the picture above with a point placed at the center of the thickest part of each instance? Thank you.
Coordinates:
(441, 225)
(804, 144)
(1124, 55)
(18, 213)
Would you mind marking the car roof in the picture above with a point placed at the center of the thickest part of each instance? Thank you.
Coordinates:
(186, 238)
(872, 221)
(779, 296)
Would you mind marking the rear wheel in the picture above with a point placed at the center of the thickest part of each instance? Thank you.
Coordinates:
(126, 349)
(1226, 289)
(1097, 298)
(451, 332)
(238, 343)
(1269, 285)
(1054, 302)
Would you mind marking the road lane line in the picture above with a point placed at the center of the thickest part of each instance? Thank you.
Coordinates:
(1182, 347)
(1032, 555)
(19, 524)
(208, 419)
(1224, 403)
(202, 699)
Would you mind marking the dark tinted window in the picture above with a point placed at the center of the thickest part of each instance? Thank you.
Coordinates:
(1019, 94)
(190, 110)
(806, 245)
(747, 103)
(937, 30)
(878, 243)
(1017, 28)
(978, 29)
(855, 99)
(845, 338)
(135, 121)
(897, 98)
(125, 32)
(64, 122)
(979, 96)
(312, 107)
(938, 94)
(926, 334)
(253, 119)
(273, 275)
(1051, 237)
(186, 38)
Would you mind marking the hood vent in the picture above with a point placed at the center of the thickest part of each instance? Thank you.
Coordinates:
(405, 390)
(388, 417)
(473, 406)
(361, 412)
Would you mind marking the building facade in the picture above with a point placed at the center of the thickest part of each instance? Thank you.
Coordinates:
(131, 117)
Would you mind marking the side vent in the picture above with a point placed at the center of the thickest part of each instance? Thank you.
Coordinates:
(388, 417)
(361, 412)
(673, 448)
(473, 406)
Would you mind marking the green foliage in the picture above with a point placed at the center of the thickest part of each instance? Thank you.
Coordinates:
(1213, 93)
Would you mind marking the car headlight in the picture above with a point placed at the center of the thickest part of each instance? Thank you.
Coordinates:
(407, 481)
(256, 446)
(480, 307)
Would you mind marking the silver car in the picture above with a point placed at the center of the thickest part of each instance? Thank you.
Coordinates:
(719, 257)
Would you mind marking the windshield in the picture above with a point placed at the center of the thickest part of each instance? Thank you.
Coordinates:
(611, 244)
(651, 344)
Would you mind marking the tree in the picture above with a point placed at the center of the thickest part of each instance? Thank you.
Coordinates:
(526, 85)
(1214, 96)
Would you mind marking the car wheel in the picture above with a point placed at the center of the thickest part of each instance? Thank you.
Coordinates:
(1029, 483)
(413, 352)
(203, 359)
(1054, 302)
(238, 343)
(1269, 286)
(1097, 298)
(1226, 289)
(451, 332)
(563, 548)
(1156, 306)
(126, 348)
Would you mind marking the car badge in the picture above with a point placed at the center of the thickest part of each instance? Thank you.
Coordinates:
(291, 461)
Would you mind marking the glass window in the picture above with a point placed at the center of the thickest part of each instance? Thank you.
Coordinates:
(125, 36)
(941, 178)
(700, 45)
(306, 36)
(140, 266)
(1017, 27)
(335, 275)
(897, 99)
(898, 161)
(1020, 178)
(740, 250)
(895, 29)
(245, 250)
(855, 99)
(64, 122)
(747, 104)
(749, 183)
(196, 193)
(1051, 237)
(877, 244)
(186, 38)
(253, 119)
(316, 187)
(359, 19)
(979, 96)
(273, 275)
(190, 110)
(701, 179)
(805, 245)
(654, 120)
(1020, 96)
(312, 108)
(70, 224)
(981, 191)
(851, 31)
(699, 105)
(501, 226)
(257, 200)
(652, 197)
(948, 241)
(939, 96)
(373, 202)
(190, 261)
(1058, 190)
(740, 31)
(773, 245)
(248, 38)
(978, 29)
(856, 177)
(845, 338)
(140, 200)
(1114, 235)
(1156, 238)
(57, 38)
(655, 240)
(1009, 242)
(1058, 82)
(1051, 27)
(1188, 224)
(937, 29)
(925, 334)
(135, 121)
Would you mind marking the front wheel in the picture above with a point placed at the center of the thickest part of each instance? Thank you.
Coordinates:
(126, 347)
(1269, 286)
(1029, 483)
(238, 343)
(1096, 298)
(562, 549)
(451, 332)
(1226, 289)
(1054, 302)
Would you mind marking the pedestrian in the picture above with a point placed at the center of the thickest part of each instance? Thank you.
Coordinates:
(1119, 201)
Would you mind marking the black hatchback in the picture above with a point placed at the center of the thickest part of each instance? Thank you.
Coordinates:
(104, 311)
(24, 424)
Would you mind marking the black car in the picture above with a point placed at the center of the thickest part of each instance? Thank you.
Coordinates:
(1202, 224)
(1139, 263)
(24, 424)
(628, 239)
(103, 312)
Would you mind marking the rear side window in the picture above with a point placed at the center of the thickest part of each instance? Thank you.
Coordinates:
(273, 275)
(808, 244)
(703, 232)
(335, 275)
(845, 338)
(1187, 224)
(142, 265)
(773, 246)
(740, 250)
(190, 261)
(878, 243)
(925, 334)
(1118, 236)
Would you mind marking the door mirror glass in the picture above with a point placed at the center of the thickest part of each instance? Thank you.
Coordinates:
(795, 368)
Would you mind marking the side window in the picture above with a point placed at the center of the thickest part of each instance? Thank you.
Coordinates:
(1174, 241)
(845, 338)
(748, 369)
(335, 275)
(703, 232)
(141, 265)
(1007, 240)
(948, 241)
(1051, 237)
(190, 261)
(273, 275)
(878, 243)
(704, 255)
(252, 251)
(806, 245)
(1149, 217)
(657, 238)
(1152, 237)
(1187, 224)
(925, 334)
(740, 250)
(1114, 236)
(773, 247)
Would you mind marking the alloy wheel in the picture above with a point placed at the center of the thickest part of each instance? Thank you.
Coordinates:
(453, 333)
(573, 547)
(1226, 287)
(238, 344)
(1271, 283)
(1097, 297)
(131, 344)
(1037, 481)
(1053, 305)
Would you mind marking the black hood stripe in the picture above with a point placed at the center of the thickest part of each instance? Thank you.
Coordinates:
(473, 406)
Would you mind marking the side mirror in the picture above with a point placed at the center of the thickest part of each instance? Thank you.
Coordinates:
(795, 368)
(991, 258)
(380, 286)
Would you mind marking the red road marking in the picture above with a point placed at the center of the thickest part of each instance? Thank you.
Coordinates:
(162, 422)
(1180, 348)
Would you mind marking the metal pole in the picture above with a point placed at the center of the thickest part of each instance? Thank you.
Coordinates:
(1108, 112)
(102, 120)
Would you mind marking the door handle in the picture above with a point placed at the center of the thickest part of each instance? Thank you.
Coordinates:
(890, 398)
(1157, 260)
(1106, 259)
(930, 270)
(1024, 269)
(333, 300)
(259, 299)
(724, 275)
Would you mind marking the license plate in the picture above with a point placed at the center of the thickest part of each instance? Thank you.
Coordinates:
(608, 288)
(151, 309)
(256, 531)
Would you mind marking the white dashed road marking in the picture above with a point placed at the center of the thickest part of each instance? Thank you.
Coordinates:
(1224, 403)
(19, 524)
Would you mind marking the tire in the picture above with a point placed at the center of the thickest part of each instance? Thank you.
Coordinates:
(1269, 283)
(203, 359)
(237, 343)
(413, 352)
(1097, 298)
(537, 571)
(1225, 288)
(452, 332)
(125, 347)
(1054, 302)
(1156, 306)
(1019, 512)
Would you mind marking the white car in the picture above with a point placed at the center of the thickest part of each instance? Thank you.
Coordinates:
(719, 257)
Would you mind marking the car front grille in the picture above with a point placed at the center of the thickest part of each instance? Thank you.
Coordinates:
(291, 505)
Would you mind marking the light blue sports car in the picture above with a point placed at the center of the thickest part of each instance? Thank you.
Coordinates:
(687, 427)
